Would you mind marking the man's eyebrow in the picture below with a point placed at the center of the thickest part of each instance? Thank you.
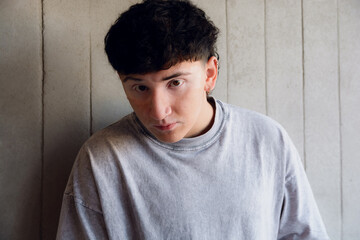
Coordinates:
(132, 78)
(177, 74)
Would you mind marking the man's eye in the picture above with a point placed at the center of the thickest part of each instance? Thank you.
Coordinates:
(140, 88)
(176, 83)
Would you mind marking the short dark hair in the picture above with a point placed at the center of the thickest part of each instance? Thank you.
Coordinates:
(157, 34)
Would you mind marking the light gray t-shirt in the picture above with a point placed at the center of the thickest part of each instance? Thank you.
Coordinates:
(243, 179)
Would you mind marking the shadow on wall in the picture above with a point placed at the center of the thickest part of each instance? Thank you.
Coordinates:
(59, 159)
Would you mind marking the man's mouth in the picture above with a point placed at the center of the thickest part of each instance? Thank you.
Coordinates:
(165, 127)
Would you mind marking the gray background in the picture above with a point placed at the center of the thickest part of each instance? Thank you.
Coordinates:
(297, 61)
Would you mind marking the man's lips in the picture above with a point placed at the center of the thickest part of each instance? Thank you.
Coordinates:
(165, 127)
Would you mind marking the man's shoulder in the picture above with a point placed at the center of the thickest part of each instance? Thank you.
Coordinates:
(250, 120)
(123, 131)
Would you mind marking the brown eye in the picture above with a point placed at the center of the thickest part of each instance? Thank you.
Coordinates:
(140, 88)
(176, 83)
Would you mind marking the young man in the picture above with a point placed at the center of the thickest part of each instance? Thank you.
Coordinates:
(183, 165)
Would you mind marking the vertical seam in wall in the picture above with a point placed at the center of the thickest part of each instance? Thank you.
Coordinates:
(91, 87)
(227, 50)
(90, 78)
(42, 119)
(265, 65)
(340, 124)
(303, 81)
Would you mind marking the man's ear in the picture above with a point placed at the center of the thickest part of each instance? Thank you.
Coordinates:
(211, 68)
(119, 75)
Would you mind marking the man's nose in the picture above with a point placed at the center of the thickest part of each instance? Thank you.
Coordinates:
(159, 105)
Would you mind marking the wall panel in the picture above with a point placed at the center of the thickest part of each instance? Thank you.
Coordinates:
(66, 98)
(284, 71)
(246, 54)
(322, 135)
(349, 33)
(20, 119)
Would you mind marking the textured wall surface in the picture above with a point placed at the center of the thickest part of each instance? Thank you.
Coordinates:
(296, 61)
(20, 119)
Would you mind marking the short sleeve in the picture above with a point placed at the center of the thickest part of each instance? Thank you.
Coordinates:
(78, 221)
(300, 217)
(81, 216)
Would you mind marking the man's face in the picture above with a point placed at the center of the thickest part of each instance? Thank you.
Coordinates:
(172, 103)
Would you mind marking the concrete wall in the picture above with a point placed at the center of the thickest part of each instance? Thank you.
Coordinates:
(296, 61)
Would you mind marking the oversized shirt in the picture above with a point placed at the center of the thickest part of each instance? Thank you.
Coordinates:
(243, 179)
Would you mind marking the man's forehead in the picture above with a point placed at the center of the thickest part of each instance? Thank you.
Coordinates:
(180, 69)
